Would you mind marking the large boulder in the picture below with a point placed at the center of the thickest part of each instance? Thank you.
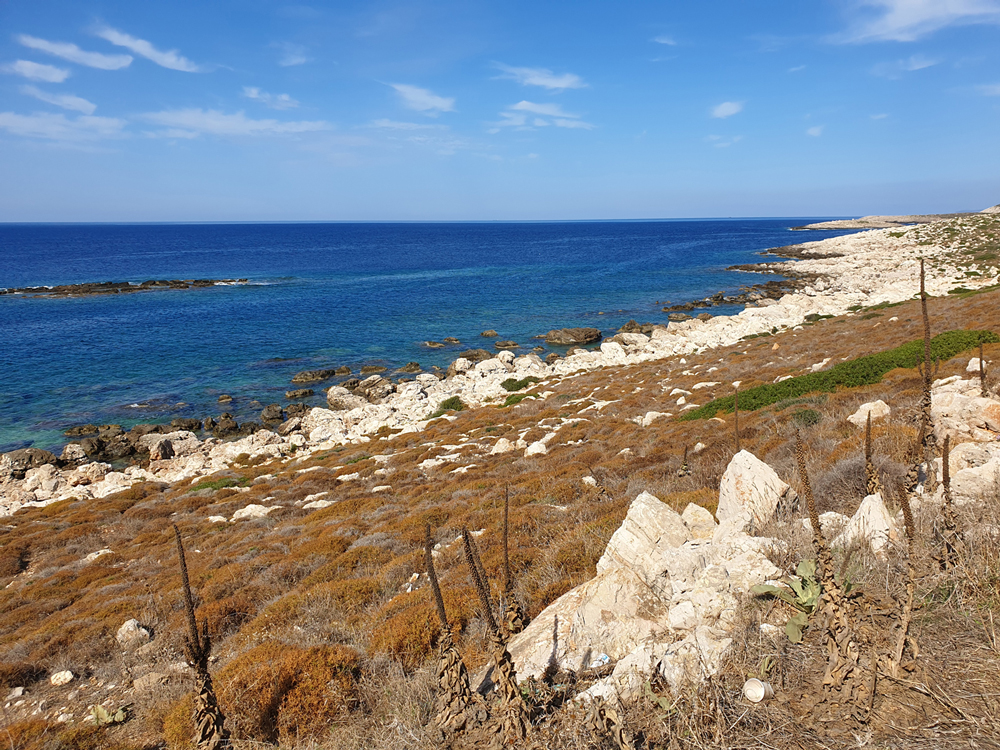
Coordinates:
(375, 389)
(871, 524)
(14, 465)
(570, 336)
(341, 399)
(313, 376)
(749, 494)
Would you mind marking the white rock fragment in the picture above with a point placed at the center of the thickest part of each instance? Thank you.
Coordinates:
(131, 635)
(253, 511)
(62, 678)
(878, 409)
(94, 555)
(317, 505)
(871, 524)
(503, 445)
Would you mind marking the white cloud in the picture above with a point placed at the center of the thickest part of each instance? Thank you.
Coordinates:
(896, 69)
(664, 39)
(879, 116)
(727, 109)
(396, 125)
(274, 101)
(551, 114)
(294, 54)
(542, 77)
(66, 101)
(722, 142)
(797, 68)
(815, 131)
(170, 59)
(74, 54)
(909, 20)
(423, 100)
(213, 122)
(36, 71)
(990, 89)
(552, 110)
(58, 127)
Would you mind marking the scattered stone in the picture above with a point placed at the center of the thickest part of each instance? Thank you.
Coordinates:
(132, 635)
(62, 678)
(382, 488)
(569, 336)
(81, 430)
(342, 371)
(300, 393)
(373, 369)
(272, 413)
(149, 682)
(225, 398)
(451, 340)
(506, 344)
(589, 481)
(313, 376)
(433, 344)
(318, 504)
(161, 450)
(94, 555)
(490, 334)
(503, 445)
(253, 511)
(537, 448)
(678, 317)
(411, 367)
(878, 409)
(871, 524)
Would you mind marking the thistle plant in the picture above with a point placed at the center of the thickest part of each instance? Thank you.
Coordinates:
(513, 614)
(872, 484)
(736, 418)
(455, 695)
(949, 532)
(983, 391)
(209, 722)
(929, 441)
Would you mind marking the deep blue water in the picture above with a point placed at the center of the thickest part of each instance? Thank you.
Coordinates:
(322, 295)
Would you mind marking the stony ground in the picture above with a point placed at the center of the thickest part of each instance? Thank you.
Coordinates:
(324, 631)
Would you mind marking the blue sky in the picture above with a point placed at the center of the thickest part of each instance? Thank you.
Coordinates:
(259, 110)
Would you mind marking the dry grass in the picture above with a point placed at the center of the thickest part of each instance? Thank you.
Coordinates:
(324, 592)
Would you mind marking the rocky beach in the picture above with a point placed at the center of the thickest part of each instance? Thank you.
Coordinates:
(660, 555)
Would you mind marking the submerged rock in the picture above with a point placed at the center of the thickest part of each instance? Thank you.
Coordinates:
(569, 336)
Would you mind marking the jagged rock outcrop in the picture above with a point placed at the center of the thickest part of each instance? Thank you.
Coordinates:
(749, 494)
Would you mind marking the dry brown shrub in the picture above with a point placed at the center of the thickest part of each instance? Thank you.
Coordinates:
(19, 674)
(276, 692)
(407, 627)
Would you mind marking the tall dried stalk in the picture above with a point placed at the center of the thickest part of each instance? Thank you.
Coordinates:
(603, 719)
(209, 722)
(929, 442)
(949, 532)
(513, 614)
(872, 484)
(849, 678)
(685, 470)
(514, 720)
(455, 696)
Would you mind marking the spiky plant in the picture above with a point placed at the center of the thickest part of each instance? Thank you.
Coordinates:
(983, 391)
(603, 719)
(209, 722)
(949, 531)
(872, 484)
(514, 724)
(513, 614)
(455, 695)
(685, 470)
(929, 442)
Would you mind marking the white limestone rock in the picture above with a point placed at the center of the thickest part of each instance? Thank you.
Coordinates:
(871, 524)
(62, 678)
(878, 409)
(253, 511)
(132, 635)
(749, 494)
(503, 445)
(700, 523)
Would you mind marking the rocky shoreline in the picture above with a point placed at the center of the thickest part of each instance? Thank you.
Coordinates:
(93, 288)
(837, 276)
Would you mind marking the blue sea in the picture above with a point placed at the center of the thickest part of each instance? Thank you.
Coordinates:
(320, 296)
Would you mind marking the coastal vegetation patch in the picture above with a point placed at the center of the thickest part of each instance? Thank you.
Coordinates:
(511, 384)
(851, 374)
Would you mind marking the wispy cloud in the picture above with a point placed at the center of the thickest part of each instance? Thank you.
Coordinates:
(423, 100)
(879, 116)
(990, 89)
(292, 54)
(720, 141)
(36, 71)
(896, 69)
(74, 54)
(727, 109)
(517, 116)
(909, 20)
(542, 77)
(664, 39)
(170, 59)
(274, 101)
(66, 101)
(194, 122)
(815, 131)
(58, 127)
(387, 124)
(797, 68)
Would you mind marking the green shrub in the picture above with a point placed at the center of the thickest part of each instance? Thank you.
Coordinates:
(518, 385)
(516, 398)
(449, 404)
(856, 372)
(806, 417)
(219, 484)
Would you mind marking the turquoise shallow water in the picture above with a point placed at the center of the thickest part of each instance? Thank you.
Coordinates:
(321, 295)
